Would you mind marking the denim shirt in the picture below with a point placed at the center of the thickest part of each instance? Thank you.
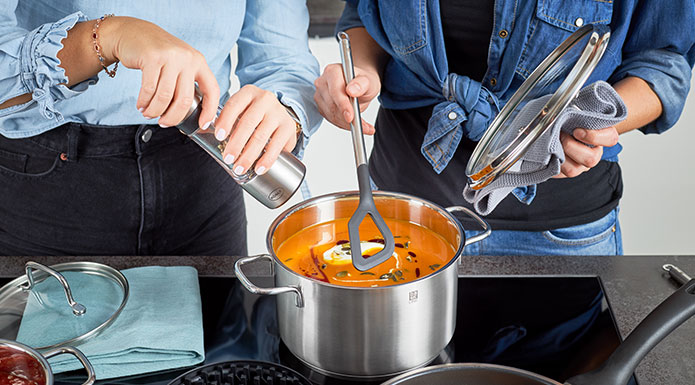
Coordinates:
(271, 36)
(648, 40)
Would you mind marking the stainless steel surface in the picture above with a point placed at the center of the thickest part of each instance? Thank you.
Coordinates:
(14, 295)
(91, 376)
(677, 274)
(367, 332)
(469, 374)
(487, 230)
(77, 309)
(356, 125)
(273, 188)
(250, 286)
(482, 171)
(42, 359)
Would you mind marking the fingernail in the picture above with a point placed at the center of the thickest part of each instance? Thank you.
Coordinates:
(260, 170)
(354, 88)
(162, 125)
(141, 109)
(579, 133)
(229, 158)
(346, 115)
(238, 170)
(220, 134)
(206, 125)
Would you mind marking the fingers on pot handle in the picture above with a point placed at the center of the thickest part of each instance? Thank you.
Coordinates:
(91, 376)
(480, 220)
(261, 290)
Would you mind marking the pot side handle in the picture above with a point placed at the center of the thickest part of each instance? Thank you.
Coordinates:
(481, 221)
(670, 314)
(91, 376)
(260, 290)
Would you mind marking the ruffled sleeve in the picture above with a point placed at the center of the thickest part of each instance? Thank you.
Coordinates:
(29, 65)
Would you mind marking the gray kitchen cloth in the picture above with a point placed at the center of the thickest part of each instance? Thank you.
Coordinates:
(596, 106)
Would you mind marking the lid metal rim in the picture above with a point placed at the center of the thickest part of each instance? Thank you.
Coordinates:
(591, 54)
(85, 267)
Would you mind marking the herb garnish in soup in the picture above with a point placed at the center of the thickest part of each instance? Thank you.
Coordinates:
(322, 252)
(20, 368)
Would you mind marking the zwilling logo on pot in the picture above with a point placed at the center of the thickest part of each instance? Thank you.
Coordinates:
(412, 296)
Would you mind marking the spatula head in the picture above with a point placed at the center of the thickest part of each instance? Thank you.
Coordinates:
(358, 260)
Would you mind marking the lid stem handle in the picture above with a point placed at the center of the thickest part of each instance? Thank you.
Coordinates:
(77, 308)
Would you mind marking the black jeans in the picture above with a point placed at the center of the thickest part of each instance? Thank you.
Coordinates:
(119, 190)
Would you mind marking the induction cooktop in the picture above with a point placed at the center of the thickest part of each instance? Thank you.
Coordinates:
(556, 326)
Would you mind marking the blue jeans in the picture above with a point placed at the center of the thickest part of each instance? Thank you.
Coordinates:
(601, 237)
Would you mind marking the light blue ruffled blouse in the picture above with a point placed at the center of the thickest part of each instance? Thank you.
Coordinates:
(272, 50)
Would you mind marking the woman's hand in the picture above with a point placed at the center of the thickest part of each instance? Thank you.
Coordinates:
(169, 66)
(254, 120)
(578, 156)
(333, 98)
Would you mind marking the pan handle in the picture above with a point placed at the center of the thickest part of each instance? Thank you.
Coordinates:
(670, 314)
(91, 376)
(481, 221)
(260, 290)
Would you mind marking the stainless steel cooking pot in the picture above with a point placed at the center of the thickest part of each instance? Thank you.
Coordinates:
(362, 332)
(14, 347)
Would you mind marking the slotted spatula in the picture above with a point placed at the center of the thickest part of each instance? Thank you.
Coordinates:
(366, 205)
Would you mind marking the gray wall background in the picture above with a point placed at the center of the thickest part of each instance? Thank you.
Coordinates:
(657, 210)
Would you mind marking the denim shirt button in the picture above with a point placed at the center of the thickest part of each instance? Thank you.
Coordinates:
(452, 115)
(503, 34)
(579, 22)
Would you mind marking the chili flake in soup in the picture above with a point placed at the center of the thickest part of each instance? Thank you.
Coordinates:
(322, 252)
(19, 368)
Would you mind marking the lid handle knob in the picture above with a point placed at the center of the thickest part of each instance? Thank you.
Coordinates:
(77, 308)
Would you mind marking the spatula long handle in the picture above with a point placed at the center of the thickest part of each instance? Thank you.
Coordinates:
(356, 125)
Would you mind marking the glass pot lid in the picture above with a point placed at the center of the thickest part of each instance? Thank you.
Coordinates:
(503, 144)
(63, 304)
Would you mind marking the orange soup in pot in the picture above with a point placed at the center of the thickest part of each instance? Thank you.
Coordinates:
(323, 252)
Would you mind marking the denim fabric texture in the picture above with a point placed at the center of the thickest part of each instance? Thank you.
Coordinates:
(125, 190)
(601, 237)
(270, 36)
(648, 40)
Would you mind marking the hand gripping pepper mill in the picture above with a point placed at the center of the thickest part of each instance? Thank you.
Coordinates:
(273, 188)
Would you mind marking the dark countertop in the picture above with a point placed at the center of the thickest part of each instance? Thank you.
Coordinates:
(634, 286)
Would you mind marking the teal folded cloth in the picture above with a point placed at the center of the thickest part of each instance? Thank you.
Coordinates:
(160, 328)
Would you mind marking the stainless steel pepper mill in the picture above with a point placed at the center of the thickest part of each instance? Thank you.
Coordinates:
(273, 188)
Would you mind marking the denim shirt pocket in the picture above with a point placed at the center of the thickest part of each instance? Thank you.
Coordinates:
(553, 22)
(405, 41)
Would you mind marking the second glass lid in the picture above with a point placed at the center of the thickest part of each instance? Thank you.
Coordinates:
(506, 140)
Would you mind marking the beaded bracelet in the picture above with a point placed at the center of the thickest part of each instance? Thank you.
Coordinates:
(97, 48)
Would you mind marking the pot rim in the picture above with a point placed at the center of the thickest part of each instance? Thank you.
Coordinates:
(493, 368)
(34, 354)
(354, 193)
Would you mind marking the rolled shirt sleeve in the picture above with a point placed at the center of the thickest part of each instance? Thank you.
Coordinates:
(29, 65)
(274, 55)
(350, 18)
(660, 49)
